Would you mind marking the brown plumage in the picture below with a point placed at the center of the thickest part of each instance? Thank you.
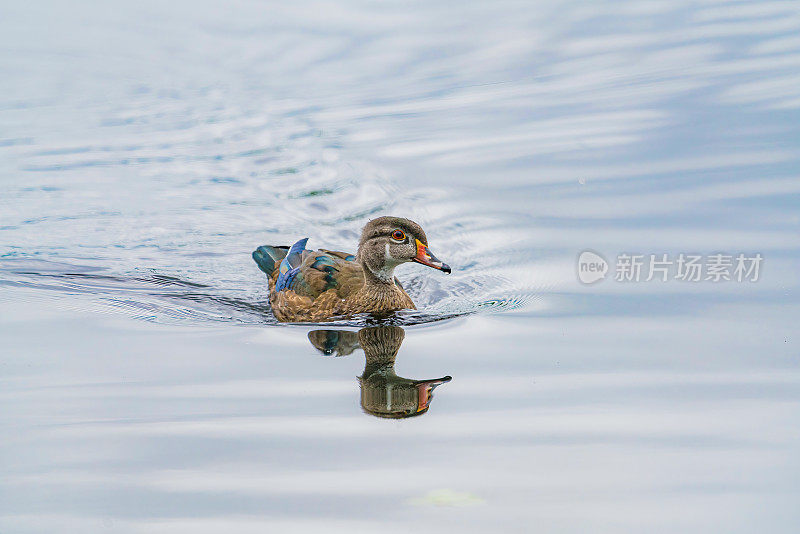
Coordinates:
(310, 286)
(383, 393)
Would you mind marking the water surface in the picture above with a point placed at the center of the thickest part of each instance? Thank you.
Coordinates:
(146, 149)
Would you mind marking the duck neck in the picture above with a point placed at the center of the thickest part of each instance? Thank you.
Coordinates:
(379, 278)
(380, 289)
(382, 277)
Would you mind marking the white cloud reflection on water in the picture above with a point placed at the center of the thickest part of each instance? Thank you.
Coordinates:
(560, 421)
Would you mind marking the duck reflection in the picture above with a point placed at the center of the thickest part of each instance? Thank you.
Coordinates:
(383, 393)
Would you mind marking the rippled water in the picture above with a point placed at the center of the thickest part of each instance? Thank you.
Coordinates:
(147, 148)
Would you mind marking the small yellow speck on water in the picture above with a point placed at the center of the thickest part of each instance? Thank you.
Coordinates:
(446, 497)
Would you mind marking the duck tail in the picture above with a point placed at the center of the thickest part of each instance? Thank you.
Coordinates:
(269, 257)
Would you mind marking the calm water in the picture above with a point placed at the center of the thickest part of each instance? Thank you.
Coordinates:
(146, 149)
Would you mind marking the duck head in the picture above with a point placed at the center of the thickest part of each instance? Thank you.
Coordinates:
(386, 242)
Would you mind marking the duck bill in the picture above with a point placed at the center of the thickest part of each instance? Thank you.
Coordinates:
(425, 391)
(426, 257)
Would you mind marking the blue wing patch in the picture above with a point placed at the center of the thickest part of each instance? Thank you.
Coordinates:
(290, 266)
(327, 265)
(321, 262)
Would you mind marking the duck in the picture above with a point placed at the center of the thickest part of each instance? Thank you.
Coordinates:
(383, 393)
(316, 285)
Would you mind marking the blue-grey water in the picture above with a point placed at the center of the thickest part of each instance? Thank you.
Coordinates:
(147, 147)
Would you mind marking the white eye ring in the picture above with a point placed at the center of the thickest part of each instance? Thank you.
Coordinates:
(398, 235)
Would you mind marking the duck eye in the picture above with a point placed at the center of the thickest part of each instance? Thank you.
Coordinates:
(398, 235)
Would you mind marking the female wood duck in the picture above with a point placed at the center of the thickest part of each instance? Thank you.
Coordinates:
(307, 286)
(383, 393)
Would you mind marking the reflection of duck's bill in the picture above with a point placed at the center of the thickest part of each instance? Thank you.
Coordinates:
(425, 391)
(426, 257)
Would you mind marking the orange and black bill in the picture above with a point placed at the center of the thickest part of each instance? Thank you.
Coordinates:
(425, 391)
(426, 257)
